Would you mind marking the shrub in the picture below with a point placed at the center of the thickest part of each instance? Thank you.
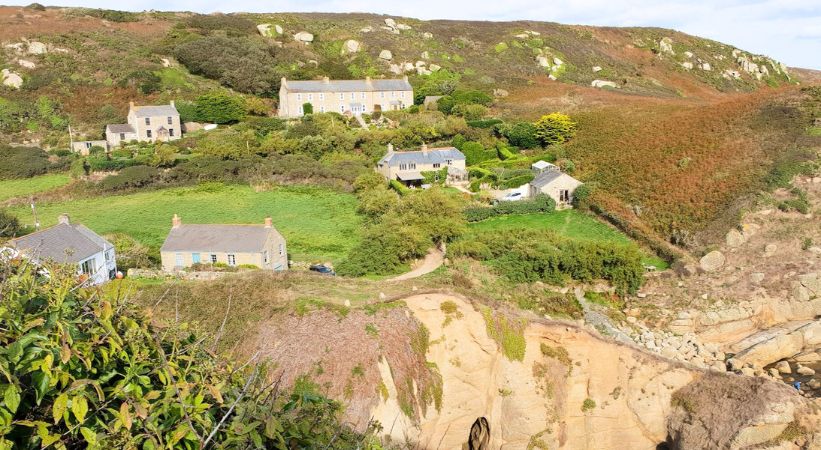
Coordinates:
(219, 107)
(129, 178)
(234, 25)
(129, 252)
(540, 204)
(476, 153)
(22, 162)
(484, 123)
(470, 111)
(581, 196)
(521, 134)
(9, 225)
(554, 128)
(105, 164)
(112, 15)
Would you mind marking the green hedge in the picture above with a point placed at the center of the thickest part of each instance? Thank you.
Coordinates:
(399, 187)
(526, 256)
(540, 204)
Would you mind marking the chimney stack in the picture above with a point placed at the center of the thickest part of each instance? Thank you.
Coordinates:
(424, 148)
(390, 147)
(405, 78)
(63, 218)
(269, 223)
(326, 80)
(172, 104)
(283, 82)
(131, 105)
(176, 221)
(368, 80)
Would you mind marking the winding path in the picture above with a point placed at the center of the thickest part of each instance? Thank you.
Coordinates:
(432, 261)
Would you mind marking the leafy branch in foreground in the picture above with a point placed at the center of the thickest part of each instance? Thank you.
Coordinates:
(83, 369)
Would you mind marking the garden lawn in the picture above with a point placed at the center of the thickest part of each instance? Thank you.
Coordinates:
(569, 223)
(17, 188)
(318, 224)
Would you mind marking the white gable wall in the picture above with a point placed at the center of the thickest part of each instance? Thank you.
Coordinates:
(554, 188)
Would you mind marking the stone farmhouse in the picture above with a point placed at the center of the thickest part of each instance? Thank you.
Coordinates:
(68, 243)
(556, 184)
(344, 96)
(407, 167)
(150, 123)
(235, 245)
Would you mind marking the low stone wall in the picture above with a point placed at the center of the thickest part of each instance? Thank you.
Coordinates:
(156, 273)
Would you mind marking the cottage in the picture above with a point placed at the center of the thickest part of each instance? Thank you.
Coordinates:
(556, 184)
(344, 96)
(407, 167)
(68, 243)
(84, 147)
(257, 245)
(146, 123)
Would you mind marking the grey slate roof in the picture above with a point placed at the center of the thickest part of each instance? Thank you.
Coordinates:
(217, 238)
(347, 85)
(155, 110)
(545, 178)
(433, 155)
(62, 243)
(120, 128)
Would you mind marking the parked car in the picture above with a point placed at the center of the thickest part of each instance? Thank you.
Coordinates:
(323, 269)
(512, 197)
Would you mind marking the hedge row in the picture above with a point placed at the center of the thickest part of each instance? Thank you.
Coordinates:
(540, 204)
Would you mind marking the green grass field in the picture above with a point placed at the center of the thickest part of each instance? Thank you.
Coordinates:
(319, 224)
(570, 223)
(17, 188)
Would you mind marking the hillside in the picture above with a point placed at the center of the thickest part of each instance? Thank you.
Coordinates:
(709, 119)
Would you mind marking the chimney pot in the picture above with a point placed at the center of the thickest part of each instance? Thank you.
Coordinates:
(390, 147)
(176, 221)
(64, 219)
(172, 104)
(283, 81)
(326, 80)
(424, 147)
(368, 80)
(269, 223)
(131, 105)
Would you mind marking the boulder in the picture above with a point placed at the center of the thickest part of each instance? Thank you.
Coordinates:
(425, 55)
(26, 63)
(265, 29)
(394, 68)
(783, 367)
(687, 65)
(427, 35)
(403, 27)
(351, 46)
(552, 77)
(390, 22)
(688, 54)
(542, 61)
(596, 69)
(434, 67)
(278, 29)
(37, 48)
(804, 370)
(603, 84)
(386, 55)
(770, 249)
(734, 238)
(367, 29)
(304, 36)
(666, 46)
(500, 93)
(712, 261)
(557, 61)
(705, 66)
(11, 79)
(757, 277)
(165, 62)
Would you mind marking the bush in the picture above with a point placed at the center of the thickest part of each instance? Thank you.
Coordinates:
(555, 128)
(112, 15)
(22, 162)
(540, 204)
(9, 225)
(65, 387)
(307, 108)
(105, 164)
(129, 178)
(219, 107)
(581, 196)
(476, 153)
(526, 255)
(234, 25)
(129, 252)
(521, 134)
(484, 123)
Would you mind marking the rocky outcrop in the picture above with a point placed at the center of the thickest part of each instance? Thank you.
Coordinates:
(712, 261)
(603, 84)
(351, 46)
(304, 36)
(11, 79)
(777, 343)
(387, 55)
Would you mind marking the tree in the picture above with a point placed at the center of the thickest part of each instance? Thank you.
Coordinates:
(521, 134)
(164, 156)
(219, 107)
(555, 128)
(307, 108)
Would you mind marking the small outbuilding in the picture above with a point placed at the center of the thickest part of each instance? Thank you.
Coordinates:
(556, 184)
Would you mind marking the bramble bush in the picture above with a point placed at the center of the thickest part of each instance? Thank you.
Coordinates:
(540, 204)
(84, 369)
(526, 255)
(22, 162)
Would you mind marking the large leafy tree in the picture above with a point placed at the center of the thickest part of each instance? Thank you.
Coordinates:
(555, 128)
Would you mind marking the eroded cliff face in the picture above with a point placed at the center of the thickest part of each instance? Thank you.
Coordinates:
(572, 389)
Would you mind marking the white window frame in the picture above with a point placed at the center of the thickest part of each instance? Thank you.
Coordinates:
(170, 120)
(299, 97)
(148, 134)
(412, 166)
(310, 97)
(322, 96)
(178, 260)
(342, 96)
(232, 259)
(147, 121)
(171, 132)
(353, 95)
(88, 267)
(213, 258)
(437, 165)
(322, 108)
(382, 94)
(363, 96)
(393, 94)
(342, 108)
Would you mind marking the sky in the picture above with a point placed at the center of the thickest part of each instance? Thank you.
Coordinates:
(787, 30)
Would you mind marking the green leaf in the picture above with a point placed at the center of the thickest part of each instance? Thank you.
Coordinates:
(79, 406)
(89, 435)
(41, 381)
(12, 398)
(59, 407)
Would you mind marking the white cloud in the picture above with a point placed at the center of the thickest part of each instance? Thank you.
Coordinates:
(788, 30)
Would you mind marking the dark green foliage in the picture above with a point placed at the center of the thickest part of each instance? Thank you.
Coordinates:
(263, 126)
(9, 225)
(520, 134)
(241, 63)
(111, 15)
(146, 81)
(219, 107)
(129, 178)
(106, 164)
(514, 182)
(524, 255)
(581, 196)
(187, 110)
(447, 103)
(22, 162)
(484, 123)
(86, 369)
(799, 203)
(231, 24)
(307, 108)
(476, 153)
(539, 204)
